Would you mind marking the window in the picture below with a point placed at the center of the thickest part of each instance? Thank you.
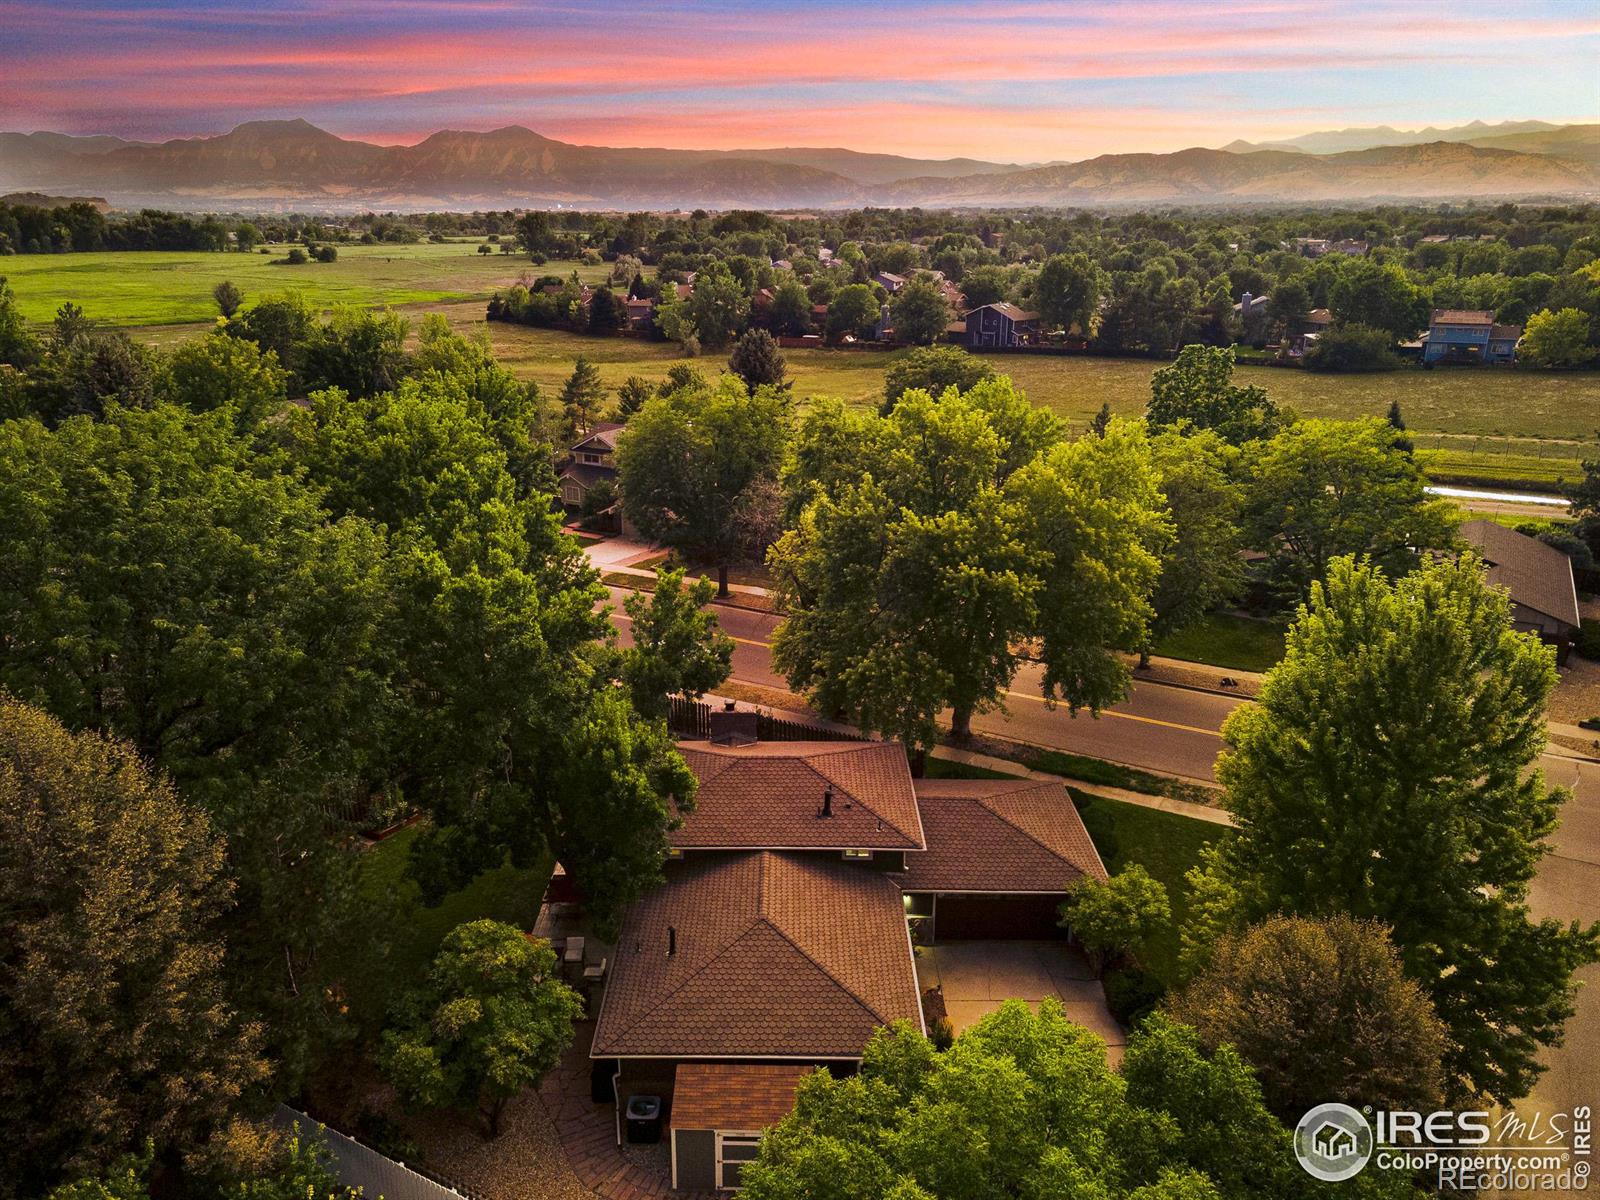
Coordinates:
(858, 855)
(733, 1151)
(590, 458)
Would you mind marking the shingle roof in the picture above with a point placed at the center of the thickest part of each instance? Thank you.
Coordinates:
(777, 956)
(999, 835)
(1505, 333)
(1010, 310)
(1462, 316)
(1537, 576)
(769, 796)
(743, 1096)
(602, 432)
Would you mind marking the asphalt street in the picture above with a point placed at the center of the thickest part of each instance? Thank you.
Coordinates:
(1175, 730)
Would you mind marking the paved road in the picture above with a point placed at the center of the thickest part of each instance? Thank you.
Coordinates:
(1175, 730)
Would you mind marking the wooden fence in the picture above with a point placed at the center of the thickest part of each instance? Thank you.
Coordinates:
(692, 718)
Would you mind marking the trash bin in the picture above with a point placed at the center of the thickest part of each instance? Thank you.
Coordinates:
(644, 1119)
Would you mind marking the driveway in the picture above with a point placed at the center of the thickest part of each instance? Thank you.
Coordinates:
(617, 552)
(976, 977)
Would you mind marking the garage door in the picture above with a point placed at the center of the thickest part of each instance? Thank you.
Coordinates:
(1032, 917)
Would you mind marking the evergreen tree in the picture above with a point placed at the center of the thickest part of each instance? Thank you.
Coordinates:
(757, 360)
(605, 313)
(583, 397)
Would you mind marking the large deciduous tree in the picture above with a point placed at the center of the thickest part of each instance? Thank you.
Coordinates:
(1321, 489)
(1068, 291)
(933, 369)
(677, 649)
(1025, 1105)
(1389, 772)
(718, 305)
(220, 371)
(1380, 296)
(920, 312)
(1322, 1010)
(112, 1004)
(930, 547)
(687, 459)
(1198, 389)
(492, 1019)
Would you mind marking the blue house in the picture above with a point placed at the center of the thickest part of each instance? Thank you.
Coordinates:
(1001, 324)
(1468, 336)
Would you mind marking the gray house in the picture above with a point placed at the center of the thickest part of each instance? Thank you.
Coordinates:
(1000, 325)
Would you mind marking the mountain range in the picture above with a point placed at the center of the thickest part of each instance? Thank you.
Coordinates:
(293, 164)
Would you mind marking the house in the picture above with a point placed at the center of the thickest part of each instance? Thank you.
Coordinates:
(1310, 327)
(1468, 336)
(1544, 596)
(1307, 247)
(1251, 308)
(589, 460)
(1001, 324)
(889, 281)
(641, 314)
(1351, 246)
(782, 935)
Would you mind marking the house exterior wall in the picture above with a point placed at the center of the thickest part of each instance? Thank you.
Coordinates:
(1466, 342)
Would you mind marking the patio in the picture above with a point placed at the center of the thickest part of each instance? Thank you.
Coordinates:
(976, 977)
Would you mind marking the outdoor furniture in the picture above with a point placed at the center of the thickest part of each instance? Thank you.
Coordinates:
(572, 953)
(596, 972)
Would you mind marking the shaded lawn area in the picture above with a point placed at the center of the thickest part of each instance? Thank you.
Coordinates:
(1226, 640)
(1165, 844)
(504, 894)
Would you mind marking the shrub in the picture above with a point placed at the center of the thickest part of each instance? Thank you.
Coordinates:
(325, 254)
(1131, 993)
(1352, 348)
(296, 256)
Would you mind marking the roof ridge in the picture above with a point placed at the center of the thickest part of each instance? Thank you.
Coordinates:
(693, 975)
(919, 836)
(984, 801)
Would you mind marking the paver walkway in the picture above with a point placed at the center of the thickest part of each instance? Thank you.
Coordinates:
(588, 1133)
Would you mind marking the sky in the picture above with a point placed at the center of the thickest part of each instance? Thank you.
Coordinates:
(1008, 80)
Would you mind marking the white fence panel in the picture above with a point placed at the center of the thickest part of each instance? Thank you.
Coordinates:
(361, 1166)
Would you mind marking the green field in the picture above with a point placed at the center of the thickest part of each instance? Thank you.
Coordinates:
(139, 288)
(1472, 424)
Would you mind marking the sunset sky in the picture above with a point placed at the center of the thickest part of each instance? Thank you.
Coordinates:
(1007, 79)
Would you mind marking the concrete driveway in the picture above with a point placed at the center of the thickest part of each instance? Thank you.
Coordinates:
(976, 977)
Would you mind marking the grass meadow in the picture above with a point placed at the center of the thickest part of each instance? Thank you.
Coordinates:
(1488, 426)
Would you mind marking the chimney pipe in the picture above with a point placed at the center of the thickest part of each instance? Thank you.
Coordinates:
(827, 802)
(672, 940)
(727, 706)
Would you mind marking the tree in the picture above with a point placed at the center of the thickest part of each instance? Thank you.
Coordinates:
(606, 314)
(166, 586)
(1068, 291)
(687, 458)
(1290, 303)
(534, 231)
(911, 579)
(1352, 348)
(582, 397)
(296, 257)
(676, 648)
(1197, 388)
(281, 323)
(1201, 567)
(247, 236)
(1321, 489)
(225, 372)
(18, 347)
(1101, 421)
(1025, 1105)
(920, 312)
(1379, 296)
(228, 298)
(853, 310)
(933, 369)
(1322, 1010)
(1397, 422)
(492, 1019)
(634, 391)
(718, 306)
(1557, 339)
(1388, 772)
(112, 1002)
(1112, 917)
(359, 351)
(757, 361)
(790, 313)
(90, 372)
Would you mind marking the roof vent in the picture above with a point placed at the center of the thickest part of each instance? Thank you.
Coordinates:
(827, 802)
(672, 940)
(729, 728)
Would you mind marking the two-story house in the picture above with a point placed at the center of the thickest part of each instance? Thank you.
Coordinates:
(1468, 336)
(590, 459)
(782, 936)
(1001, 324)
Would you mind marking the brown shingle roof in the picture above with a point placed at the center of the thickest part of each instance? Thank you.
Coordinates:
(1461, 316)
(1537, 576)
(999, 835)
(741, 1096)
(601, 433)
(1010, 310)
(769, 795)
(777, 956)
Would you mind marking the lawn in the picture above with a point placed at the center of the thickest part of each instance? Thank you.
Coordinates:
(144, 288)
(1165, 844)
(1225, 640)
(505, 894)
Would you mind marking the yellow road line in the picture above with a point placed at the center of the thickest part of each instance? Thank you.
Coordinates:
(1122, 716)
(621, 616)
